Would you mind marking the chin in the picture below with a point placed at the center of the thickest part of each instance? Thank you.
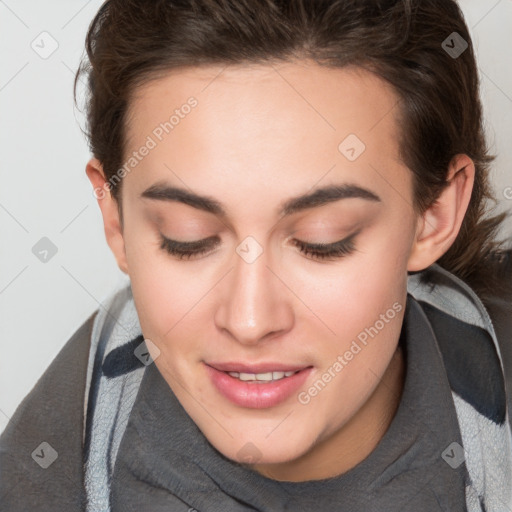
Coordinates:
(262, 450)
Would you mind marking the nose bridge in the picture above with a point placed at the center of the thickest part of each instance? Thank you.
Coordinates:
(254, 306)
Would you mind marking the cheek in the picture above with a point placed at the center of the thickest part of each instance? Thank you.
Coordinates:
(363, 303)
(161, 293)
(350, 296)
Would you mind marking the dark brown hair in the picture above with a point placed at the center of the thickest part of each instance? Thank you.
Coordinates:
(131, 42)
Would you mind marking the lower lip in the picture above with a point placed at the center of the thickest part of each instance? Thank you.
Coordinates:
(257, 395)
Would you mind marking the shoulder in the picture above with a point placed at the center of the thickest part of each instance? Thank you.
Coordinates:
(41, 447)
(499, 308)
(470, 336)
(471, 332)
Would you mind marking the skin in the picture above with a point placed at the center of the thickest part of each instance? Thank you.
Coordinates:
(259, 136)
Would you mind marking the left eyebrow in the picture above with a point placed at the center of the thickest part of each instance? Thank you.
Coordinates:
(162, 191)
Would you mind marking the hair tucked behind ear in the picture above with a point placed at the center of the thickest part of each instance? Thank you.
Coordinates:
(130, 42)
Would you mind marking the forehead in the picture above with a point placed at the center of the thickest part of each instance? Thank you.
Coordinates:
(283, 120)
(293, 86)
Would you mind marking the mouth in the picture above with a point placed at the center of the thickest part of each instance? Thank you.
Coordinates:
(257, 386)
(261, 377)
(258, 368)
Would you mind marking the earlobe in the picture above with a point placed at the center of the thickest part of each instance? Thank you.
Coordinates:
(440, 224)
(109, 211)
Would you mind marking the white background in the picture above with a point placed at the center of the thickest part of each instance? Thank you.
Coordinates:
(45, 191)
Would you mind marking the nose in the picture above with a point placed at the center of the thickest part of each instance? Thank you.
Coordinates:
(255, 304)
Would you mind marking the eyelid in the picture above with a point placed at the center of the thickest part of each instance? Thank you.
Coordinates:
(190, 245)
(318, 252)
(343, 246)
(194, 244)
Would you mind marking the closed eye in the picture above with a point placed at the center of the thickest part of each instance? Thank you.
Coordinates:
(328, 251)
(188, 250)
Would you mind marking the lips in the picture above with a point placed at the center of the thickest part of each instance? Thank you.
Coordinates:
(255, 368)
(257, 395)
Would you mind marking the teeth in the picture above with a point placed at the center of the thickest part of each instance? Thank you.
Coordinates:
(265, 377)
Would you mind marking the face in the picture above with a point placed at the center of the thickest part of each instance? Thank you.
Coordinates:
(268, 228)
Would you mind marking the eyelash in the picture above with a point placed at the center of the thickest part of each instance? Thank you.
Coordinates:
(328, 251)
(321, 252)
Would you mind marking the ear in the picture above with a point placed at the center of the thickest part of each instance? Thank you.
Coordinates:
(109, 210)
(439, 225)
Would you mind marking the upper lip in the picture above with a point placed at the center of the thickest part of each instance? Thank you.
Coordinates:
(256, 368)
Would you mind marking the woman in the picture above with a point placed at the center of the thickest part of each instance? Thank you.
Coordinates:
(297, 192)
